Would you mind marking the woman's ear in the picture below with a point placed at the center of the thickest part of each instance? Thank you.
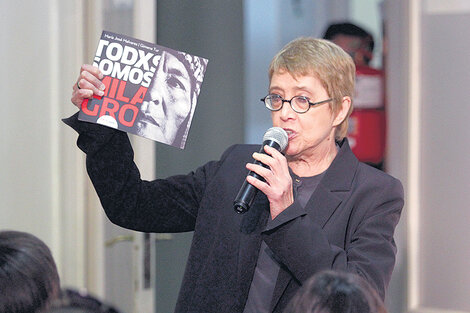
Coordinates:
(343, 111)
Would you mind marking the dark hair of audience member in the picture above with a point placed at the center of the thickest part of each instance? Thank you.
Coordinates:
(75, 301)
(336, 292)
(350, 29)
(29, 280)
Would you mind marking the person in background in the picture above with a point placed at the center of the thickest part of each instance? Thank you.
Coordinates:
(336, 292)
(366, 134)
(356, 41)
(318, 208)
(29, 281)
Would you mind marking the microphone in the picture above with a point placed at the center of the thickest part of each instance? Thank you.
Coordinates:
(275, 137)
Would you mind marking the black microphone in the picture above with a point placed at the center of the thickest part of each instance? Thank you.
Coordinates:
(275, 137)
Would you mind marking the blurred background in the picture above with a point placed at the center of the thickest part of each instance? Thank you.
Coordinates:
(420, 64)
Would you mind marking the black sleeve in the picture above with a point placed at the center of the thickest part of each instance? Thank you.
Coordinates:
(162, 205)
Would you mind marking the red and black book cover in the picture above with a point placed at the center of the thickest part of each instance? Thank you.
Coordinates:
(150, 90)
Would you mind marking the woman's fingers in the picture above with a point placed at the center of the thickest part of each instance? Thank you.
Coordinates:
(276, 173)
(278, 182)
(88, 84)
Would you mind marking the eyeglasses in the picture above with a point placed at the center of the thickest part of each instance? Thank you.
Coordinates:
(299, 104)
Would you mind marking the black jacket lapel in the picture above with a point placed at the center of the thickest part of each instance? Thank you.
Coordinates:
(324, 201)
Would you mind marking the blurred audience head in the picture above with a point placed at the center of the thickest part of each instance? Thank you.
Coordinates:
(75, 301)
(29, 280)
(336, 292)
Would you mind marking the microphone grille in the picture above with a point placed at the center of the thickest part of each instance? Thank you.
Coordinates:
(278, 135)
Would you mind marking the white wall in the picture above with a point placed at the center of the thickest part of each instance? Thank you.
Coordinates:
(397, 69)
(40, 190)
(428, 87)
(44, 189)
(444, 169)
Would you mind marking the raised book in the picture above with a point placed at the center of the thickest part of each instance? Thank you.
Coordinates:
(150, 90)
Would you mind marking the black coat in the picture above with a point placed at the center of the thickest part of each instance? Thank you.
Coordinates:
(347, 224)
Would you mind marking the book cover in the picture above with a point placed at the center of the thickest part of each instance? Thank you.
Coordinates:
(151, 90)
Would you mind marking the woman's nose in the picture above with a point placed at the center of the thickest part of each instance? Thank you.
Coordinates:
(286, 110)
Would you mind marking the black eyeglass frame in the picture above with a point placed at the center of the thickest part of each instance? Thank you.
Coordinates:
(310, 104)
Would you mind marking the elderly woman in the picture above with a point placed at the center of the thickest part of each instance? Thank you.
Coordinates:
(319, 208)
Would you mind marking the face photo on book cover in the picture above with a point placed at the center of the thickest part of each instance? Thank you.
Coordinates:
(167, 110)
